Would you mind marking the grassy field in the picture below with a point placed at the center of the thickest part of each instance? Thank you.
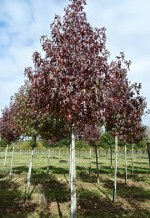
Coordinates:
(50, 194)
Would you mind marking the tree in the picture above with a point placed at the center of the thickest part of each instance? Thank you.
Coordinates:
(107, 141)
(69, 80)
(10, 131)
(124, 106)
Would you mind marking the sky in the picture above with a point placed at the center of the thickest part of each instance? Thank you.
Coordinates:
(23, 22)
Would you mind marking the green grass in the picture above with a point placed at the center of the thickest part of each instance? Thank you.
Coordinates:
(50, 194)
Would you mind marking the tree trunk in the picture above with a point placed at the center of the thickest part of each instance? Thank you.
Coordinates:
(5, 157)
(73, 177)
(132, 154)
(111, 157)
(115, 173)
(70, 164)
(59, 154)
(11, 166)
(148, 151)
(125, 159)
(90, 160)
(97, 168)
(48, 160)
(29, 174)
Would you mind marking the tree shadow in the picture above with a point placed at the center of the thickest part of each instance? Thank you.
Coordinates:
(20, 169)
(81, 168)
(128, 191)
(52, 190)
(85, 177)
(138, 170)
(92, 205)
(11, 201)
(24, 169)
(56, 170)
(140, 162)
(3, 174)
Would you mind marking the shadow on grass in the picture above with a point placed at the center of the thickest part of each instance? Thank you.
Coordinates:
(138, 169)
(85, 177)
(56, 170)
(92, 205)
(24, 169)
(140, 162)
(11, 202)
(3, 174)
(52, 190)
(128, 191)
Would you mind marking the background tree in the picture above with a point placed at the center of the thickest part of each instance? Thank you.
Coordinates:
(107, 141)
(124, 105)
(10, 131)
(91, 135)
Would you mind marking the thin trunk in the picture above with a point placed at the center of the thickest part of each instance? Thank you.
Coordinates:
(90, 160)
(5, 157)
(140, 154)
(111, 157)
(148, 152)
(125, 159)
(48, 160)
(97, 168)
(29, 174)
(70, 166)
(11, 166)
(59, 154)
(132, 150)
(73, 178)
(116, 165)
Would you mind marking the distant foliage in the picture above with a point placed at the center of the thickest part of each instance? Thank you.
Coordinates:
(106, 140)
(3, 143)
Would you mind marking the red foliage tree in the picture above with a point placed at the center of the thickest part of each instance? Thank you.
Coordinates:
(124, 106)
(69, 80)
(10, 131)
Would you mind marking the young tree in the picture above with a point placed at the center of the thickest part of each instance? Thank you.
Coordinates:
(10, 131)
(27, 116)
(69, 80)
(124, 105)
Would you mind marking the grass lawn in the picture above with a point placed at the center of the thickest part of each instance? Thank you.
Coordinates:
(50, 194)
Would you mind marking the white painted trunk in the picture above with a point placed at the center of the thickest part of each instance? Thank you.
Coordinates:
(116, 165)
(5, 157)
(73, 178)
(132, 153)
(97, 163)
(29, 174)
(125, 159)
(11, 165)
(70, 166)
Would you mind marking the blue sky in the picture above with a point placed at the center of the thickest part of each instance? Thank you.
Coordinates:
(22, 22)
